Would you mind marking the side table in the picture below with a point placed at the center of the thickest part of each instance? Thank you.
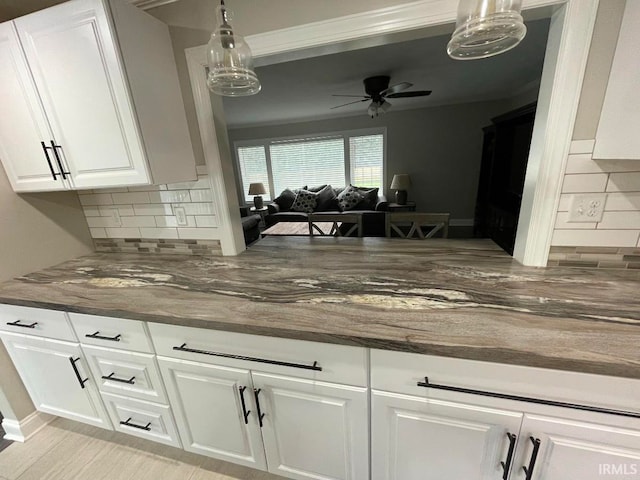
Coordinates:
(262, 212)
(396, 207)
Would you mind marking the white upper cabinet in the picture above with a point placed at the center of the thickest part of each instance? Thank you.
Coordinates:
(105, 76)
(617, 136)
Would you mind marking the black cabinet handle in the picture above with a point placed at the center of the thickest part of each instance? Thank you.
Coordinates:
(130, 381)
(506, 465)
(184, 348)
(46, 154)
(256, 392)
(128, 423)
(532, 461)
(23, 325)
(102, 337)
(77, 372)
(55, 153)
(245, 412)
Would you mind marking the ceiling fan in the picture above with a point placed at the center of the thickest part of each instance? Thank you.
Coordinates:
(377, 90)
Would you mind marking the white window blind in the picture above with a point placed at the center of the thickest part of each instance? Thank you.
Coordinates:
(367, 160)
(253, 169)
(309, 162)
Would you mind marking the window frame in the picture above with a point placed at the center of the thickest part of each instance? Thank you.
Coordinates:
(344, 134)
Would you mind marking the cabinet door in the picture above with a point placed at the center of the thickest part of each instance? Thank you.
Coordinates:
(73, 56)
(416, 438)
(207, 403)
(313, 430)
(23, 125)
(47, 369)
(570, 449)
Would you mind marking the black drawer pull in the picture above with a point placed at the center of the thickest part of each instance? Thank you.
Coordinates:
(532, 461)
(121, 380)
(23, 325)
(102, 337)
(55, 153)
(315, 366)
(77, 372)
(146, 427)
(54, 174)
(539, 401)
(256, 392)
(506, 465)
(245, 412)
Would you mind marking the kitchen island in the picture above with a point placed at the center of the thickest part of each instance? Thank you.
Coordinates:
(455, 298)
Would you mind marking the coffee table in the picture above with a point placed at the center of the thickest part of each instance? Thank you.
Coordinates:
(299, 229)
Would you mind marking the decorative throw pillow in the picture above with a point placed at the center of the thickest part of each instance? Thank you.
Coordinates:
(370, 199)
(349, 198)
(285, 199)
(306, 202)
(316, 189)
(327, 201)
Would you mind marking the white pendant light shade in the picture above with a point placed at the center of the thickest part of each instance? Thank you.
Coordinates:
(230, 62)
(485, 28)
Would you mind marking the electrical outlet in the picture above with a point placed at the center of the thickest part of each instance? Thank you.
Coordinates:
(587, 207)
(115, 215)
(181, 216)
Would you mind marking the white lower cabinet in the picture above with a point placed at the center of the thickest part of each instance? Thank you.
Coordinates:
(417, 438)
(215, 410)
(57, 378)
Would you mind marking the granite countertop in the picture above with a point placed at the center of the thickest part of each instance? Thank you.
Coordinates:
(457, 298)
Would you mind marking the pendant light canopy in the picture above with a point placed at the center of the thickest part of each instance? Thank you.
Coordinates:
(230, 62)
(485, 28)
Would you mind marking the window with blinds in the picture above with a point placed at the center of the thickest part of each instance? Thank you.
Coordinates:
(355, 158)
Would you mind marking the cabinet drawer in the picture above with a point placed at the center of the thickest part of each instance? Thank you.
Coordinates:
(36, 321)
(142, 419)
(111, 332)
(318, 361)
(126, 373)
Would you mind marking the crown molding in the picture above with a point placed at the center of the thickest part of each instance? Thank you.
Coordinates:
(147, 4)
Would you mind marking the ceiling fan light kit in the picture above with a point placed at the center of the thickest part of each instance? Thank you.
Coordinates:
(230, 61)
(485, 28)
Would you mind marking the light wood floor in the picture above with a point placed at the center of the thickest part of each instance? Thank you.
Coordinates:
(66, 450)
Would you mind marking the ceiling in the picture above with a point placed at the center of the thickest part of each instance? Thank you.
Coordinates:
(302, 90)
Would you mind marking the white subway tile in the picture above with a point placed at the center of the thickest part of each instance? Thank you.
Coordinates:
(138, 221)
(565, 202)
(158, 232)
(583, 163)
(123, 210)
(94, 222)
(121, 232)
(201, 182)
(624, 182)
(153, 209)
(623, 201)
(147, 188)
(202, 170)
(582, 146)
(201, 195)
(585, 183)
(91, 211)
(170, 221)
(171, 196)
(111, 190)
(562, 222)
(197, 208)
(206, 221)
(198, 233)
(621, 220)
(96, 199)
(131, 197)
(98, 233)
(595, 238)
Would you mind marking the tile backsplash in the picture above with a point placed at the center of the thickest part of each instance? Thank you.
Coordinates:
(175, 211)
(614, 240)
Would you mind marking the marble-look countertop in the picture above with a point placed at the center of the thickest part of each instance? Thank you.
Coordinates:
(457, 298)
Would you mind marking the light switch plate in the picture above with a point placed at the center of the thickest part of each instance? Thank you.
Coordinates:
(181, 216)
(587, 207)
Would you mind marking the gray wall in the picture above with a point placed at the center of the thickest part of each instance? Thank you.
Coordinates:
(439, 147)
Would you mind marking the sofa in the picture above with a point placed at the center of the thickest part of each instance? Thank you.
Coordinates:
(250, 225)
(372, 208)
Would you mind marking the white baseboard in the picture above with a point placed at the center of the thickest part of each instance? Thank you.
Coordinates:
(21, 431)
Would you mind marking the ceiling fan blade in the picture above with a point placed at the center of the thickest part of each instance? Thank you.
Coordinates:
(354, 96)
(398, 87)
(417, 93)
(350, 103)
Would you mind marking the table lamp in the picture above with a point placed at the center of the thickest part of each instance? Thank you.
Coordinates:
(401, 183)
(257, 189)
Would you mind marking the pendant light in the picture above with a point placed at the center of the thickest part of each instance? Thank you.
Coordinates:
(230, 63)
(485, 28)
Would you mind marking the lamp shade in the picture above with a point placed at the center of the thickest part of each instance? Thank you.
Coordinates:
(257, 189)
(401, 181)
